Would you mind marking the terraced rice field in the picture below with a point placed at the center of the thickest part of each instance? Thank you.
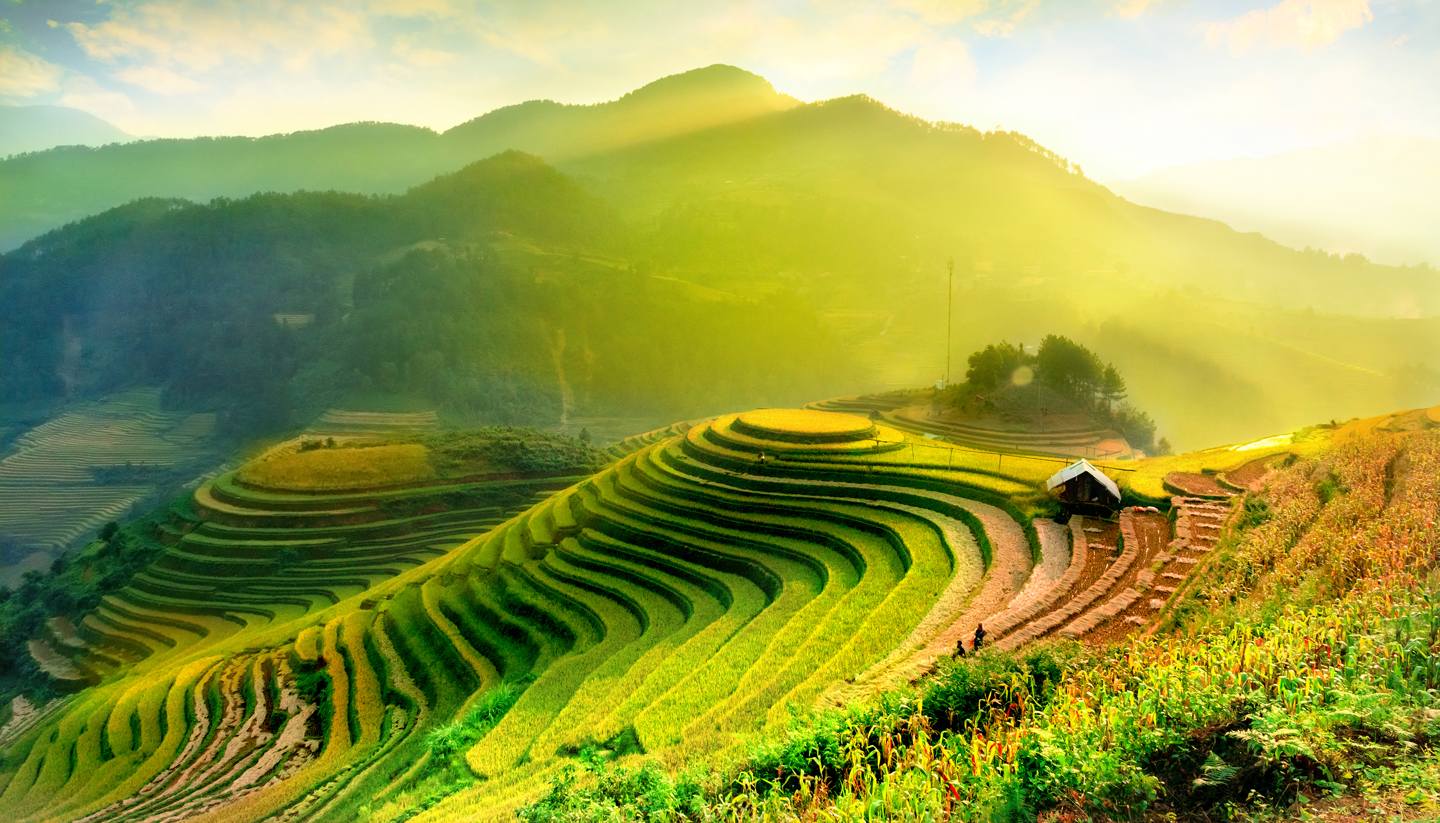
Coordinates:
(49, 495)
(1068, 441)
(240, 557)
(687, 596)
(353, 421)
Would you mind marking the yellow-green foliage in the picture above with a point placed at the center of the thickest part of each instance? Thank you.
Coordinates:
(1146, 478)
(808, 423)
(340, 468)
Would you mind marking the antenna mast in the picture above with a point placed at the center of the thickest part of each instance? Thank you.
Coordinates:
(949, 318)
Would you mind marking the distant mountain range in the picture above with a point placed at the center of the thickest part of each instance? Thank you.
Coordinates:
(704, 242)
(1374, 196)
(42, 191)
(36, 128)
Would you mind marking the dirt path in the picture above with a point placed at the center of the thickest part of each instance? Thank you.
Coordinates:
(1197, 485)
(1251, 475)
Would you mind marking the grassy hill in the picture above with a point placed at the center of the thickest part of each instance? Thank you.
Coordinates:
(671, 606)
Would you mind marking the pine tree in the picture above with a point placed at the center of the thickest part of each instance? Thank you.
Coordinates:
(1112, 386)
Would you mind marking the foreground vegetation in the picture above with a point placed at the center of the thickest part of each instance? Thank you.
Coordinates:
(1305, 663)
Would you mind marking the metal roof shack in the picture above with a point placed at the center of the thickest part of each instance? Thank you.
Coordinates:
(1082, 485)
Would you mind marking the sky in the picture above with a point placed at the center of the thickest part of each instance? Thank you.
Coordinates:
(1122, 87)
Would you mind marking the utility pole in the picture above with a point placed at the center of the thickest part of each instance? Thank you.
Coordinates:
(949, 318)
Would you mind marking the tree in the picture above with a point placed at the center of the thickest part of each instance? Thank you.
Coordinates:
(1112, 386)
(993, 365)
(1069, 368)
(1136, 425)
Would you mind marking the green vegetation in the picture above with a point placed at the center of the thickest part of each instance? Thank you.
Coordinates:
(73, 584)
(1069, 375)
(357, 466)
(371, 463)
(490, 293)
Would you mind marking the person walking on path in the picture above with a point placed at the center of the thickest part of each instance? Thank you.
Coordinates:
(979, 636)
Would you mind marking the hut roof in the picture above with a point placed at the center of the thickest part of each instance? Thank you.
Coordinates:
(1078, 468)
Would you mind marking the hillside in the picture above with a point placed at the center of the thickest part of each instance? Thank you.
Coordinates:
(837, 216)
(490, 293)
(37, 128)
(675, 603)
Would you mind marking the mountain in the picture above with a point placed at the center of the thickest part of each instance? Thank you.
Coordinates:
(824, 221)
(41, 191)
(1373, 196)
(36, 128)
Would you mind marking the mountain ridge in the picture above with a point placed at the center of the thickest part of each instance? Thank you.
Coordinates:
(26, 129)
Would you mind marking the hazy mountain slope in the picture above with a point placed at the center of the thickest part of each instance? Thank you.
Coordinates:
(849, 184)
(41, 191)
(1373, 196)
(858, 208)
(834, 217)
(36, 128)
(494, 293)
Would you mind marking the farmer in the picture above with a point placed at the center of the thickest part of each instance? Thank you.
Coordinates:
(979, 636)
(762, 458)
(960, 647)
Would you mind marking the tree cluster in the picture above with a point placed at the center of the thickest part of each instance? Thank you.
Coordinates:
(1064, 367)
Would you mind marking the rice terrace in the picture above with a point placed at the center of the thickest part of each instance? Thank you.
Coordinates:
(383, 439)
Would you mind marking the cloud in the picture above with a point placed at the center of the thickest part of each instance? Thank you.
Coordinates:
(83, 93)
(1130, 9)
(942, 12)
(944, 66)
(1306, 24)
(200, 36)
(23, 74)
(158, 79)
(413, 52)
(1004, 24)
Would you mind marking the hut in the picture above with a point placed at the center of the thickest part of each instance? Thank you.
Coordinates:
(1082, 486)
